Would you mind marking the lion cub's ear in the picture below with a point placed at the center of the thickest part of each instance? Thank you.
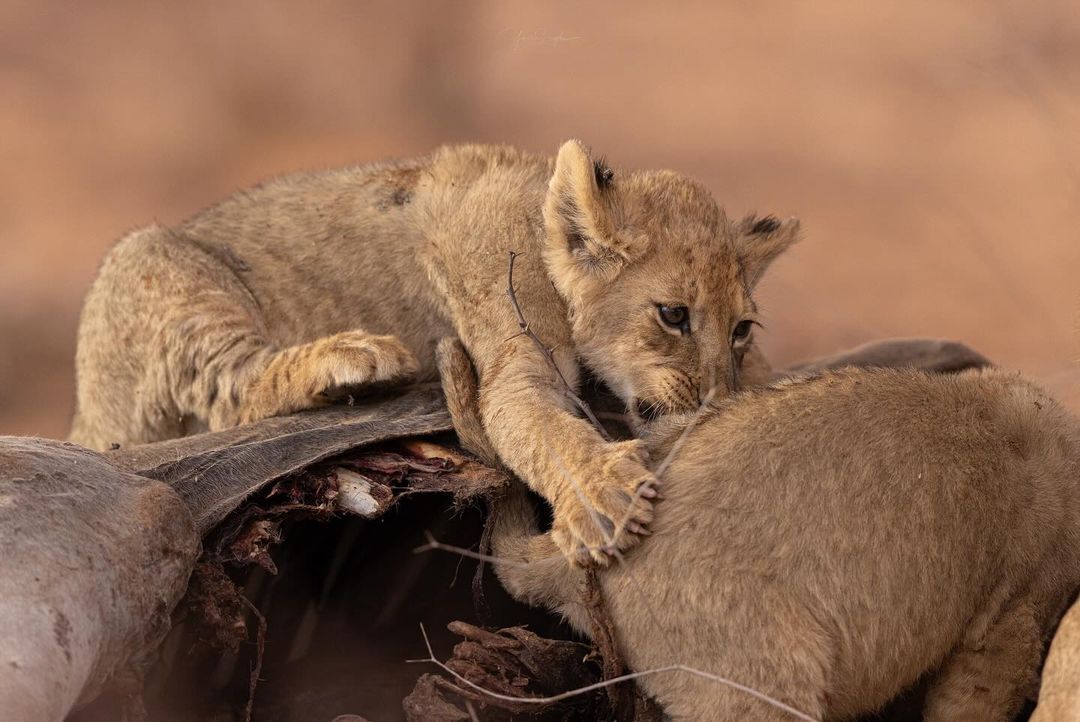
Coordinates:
(761, 240)
(581, 238)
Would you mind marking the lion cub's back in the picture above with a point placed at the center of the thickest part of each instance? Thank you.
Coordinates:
(350, 247)
(888, 504)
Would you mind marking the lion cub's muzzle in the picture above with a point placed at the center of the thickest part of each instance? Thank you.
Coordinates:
(646, 411)
(673, 391)
(678, 394)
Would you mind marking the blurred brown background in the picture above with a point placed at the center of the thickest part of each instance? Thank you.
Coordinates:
(931, 148)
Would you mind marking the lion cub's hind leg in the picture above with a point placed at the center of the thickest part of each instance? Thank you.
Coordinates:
(311, 374)
(171, 339)
(168, 340)
(989, 675)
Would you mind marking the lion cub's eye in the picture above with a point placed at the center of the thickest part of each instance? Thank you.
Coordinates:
(675, 317)
(741, 333)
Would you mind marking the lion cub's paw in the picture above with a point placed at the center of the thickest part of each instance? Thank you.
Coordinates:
(355, 358)
(307, 376)
(607, 507)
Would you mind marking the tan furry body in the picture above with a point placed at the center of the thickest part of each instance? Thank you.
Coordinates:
(829, 541)
(319, 285)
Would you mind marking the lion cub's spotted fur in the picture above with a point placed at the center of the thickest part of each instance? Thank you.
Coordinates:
(317, 285)
(828, 541)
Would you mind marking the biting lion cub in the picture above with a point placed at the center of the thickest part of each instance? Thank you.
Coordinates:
(830, 540)
(318, 285)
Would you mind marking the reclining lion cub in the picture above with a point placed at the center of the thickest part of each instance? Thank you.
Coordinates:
(830, 540)
(312, 286)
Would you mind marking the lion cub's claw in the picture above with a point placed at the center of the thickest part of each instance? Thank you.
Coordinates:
(607, 508)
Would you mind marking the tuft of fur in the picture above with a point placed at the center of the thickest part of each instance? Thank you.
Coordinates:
(316, 286)
(764, 240)
(768, 224)
(604, 176)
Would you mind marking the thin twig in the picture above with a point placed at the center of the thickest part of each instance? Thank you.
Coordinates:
(256, 669)
(432, 659)
(549, 353)
(433, 544)
(677, 446)
(620, 699)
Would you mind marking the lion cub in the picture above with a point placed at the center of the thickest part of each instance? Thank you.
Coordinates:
(830, 540)
(318, 285)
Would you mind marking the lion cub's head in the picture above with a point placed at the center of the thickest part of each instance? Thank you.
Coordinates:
(657, 279)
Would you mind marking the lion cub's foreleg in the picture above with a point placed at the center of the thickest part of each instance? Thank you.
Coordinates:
(600, 491)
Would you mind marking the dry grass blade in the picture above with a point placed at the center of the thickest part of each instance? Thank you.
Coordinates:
(433, 544)
(432, 659)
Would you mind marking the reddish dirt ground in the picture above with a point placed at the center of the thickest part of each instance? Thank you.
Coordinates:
(926, 145)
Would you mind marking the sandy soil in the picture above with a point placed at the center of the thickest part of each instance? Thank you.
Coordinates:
(930, 148)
